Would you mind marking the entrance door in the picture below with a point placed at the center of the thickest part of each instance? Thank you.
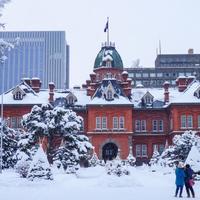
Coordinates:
(109, 151)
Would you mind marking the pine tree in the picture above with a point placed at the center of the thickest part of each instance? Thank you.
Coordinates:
(26, 149)
(74, 149)
(94, 160)
(9, 146)
(130, 160)
(155, 157)
(116, 167)
(40, 168)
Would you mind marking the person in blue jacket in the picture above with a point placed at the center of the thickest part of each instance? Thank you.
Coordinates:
(180, 179)
(189, 174)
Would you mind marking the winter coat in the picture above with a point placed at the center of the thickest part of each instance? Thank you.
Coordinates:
(180, 176)
(188, 174)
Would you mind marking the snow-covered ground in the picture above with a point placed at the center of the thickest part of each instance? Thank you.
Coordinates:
(94, 184)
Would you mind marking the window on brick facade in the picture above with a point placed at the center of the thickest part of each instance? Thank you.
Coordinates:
(137, 125)
(186, 121)
(138, 150)
(121, 122)
(144, 150)
(141, 150)
(98, 123)
(157, 125)
(104, 122)
(198, 121)
(154, 125)
(160, 125)
(140, 125)
(183, 121)
(115, 122)
(189, 121)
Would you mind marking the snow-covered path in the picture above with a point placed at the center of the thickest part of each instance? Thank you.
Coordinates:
(93, 183)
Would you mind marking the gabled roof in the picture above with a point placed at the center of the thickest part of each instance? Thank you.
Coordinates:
(119, 97)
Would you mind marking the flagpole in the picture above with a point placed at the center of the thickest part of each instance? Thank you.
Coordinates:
(108, 31)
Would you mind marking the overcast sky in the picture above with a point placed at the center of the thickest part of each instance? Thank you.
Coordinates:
(136, 26)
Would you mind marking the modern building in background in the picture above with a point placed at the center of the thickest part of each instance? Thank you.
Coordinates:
(167, 68)
(42, 54)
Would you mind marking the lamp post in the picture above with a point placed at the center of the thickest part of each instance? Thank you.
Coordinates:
(1, 151)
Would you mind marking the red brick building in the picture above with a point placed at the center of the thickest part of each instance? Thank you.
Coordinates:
(116, 116)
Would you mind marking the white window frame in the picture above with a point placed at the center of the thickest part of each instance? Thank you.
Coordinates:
(98, 123)
(115, 123)
(144, 150)
(143, 125)
(190, 121)
(183, 121)
(154, 125)
(198, 121)
(138, 150)
(137, 125)
(109, 95)
(160, 125)
(121, 123)
(104, 123)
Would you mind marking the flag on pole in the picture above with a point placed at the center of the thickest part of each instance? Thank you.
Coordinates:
(106, 27)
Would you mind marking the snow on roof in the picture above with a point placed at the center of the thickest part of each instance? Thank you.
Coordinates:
(117, 101)
(175, 96)
(107, 57)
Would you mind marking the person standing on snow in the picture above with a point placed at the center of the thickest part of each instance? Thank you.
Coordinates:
(180, 179)
(189, 181)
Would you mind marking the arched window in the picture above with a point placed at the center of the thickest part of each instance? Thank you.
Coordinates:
(108, 63)
(109, 95)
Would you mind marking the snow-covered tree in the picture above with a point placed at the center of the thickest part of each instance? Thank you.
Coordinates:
(117, 167)
(74, 149)
(155, 157)
(26, 149)
(130, 160)
(40, 168)
(193, 158)
(94, 160)
(52, 121)
(179, 150)
(9, 146)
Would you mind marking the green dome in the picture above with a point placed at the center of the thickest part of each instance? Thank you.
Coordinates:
(108, 53)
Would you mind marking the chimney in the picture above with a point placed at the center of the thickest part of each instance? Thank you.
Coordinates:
(51, 92)
(191, 51)
(124, 75)
(166, 92)
(93, 77)
(36, 84)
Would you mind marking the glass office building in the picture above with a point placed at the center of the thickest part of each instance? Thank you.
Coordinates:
(42, 54)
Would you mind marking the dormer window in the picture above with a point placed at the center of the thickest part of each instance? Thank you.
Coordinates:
(108, 63)
(147, 99)
(71, 99)
(18, 95)
(109, 95)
